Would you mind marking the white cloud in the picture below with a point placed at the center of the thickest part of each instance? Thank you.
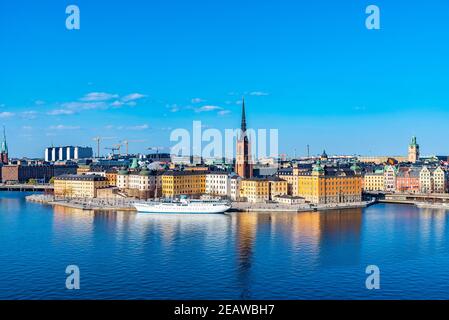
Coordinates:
(139, 127)
(39, 102)
(99, 96)
(132, 97)
(59, 112)
(27, 128)
(223, 112)
(64, 127)
(6, 114)
(117, 103)
(30, 114)
(197, 100)
(208, 108)
(84, 105)
(258, 93)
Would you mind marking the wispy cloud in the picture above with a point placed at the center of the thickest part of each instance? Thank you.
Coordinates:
(134, 128)
(197, 100)
(76, 105)
(208, 108)
(61, 112)
(139, 127)
(30, 114)
(6, 114)
(99, 96)
(258, 93)
(64, 127)
(133, 97)
(223, 112)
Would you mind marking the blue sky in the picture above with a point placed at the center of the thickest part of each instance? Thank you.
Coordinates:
(138, 69)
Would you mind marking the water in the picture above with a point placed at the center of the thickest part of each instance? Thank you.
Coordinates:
(240, 256)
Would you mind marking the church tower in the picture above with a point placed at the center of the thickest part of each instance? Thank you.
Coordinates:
(413, 151)
(243, 162)
(4, 149)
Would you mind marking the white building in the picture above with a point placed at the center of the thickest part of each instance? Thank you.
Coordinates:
(235, 186)
(425, 180)
(67, 153)
(218, 183)
(432, 180)
(390, 178)
(439, 180)
(142, 181)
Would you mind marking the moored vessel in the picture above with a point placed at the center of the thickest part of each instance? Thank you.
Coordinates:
(426, 205)
(183, 205)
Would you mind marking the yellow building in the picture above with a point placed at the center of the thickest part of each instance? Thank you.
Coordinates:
(175, 183)
(82, 169)
(262, 189)
(331, 186)
(373, 181)
(79, 186)
(291, 175)
(111, 176)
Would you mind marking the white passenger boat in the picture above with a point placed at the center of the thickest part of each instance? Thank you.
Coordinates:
(426, 205)
(183, 205)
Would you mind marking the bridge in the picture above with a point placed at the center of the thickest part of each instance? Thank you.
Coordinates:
(26, 187)
(409, 198)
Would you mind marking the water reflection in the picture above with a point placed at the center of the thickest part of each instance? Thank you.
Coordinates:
(340, 234)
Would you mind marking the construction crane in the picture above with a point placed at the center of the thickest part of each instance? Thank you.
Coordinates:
(126, 143)
(156, 148)
(115, 148)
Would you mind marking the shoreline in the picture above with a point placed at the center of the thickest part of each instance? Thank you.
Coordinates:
(124, 205)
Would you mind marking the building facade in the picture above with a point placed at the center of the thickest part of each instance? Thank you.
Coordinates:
(373, 182)
(175, 183)
(79, 186)
(218, 184)
(390, 173)
(23, 173)
(141, 184)
(323, 186)
(67, 153)
(433, 180)
(262, 189)
(407, 180)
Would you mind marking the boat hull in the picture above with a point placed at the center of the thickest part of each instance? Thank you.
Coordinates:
(180, 209)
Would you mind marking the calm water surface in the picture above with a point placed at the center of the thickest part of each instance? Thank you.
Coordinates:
(239, 256)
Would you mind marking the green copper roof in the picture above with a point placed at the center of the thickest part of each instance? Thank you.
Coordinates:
(318, 167)
(355, 167)
(144, 172)
(413, 142)
(134, 164)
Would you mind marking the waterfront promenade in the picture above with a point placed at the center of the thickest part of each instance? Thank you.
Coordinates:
(26, 187)
(126, 204)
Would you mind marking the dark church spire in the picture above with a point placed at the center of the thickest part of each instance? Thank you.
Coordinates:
(243, 126)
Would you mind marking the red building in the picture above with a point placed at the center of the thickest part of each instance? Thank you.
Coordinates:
(243, 162)
(407, 180)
